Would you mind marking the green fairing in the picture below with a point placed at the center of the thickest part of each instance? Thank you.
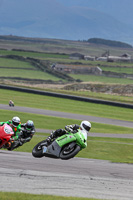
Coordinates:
(70, 137)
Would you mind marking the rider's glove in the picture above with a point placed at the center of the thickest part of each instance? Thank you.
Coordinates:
(69, 128)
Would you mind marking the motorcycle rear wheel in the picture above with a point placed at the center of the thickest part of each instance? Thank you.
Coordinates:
(37, 150)
(68, 153)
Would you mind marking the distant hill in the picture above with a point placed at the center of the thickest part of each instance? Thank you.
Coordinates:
(109, 43)
(61, 20)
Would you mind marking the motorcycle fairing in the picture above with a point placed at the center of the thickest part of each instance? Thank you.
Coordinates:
(53, 150)
(56, 146)
(65, 139)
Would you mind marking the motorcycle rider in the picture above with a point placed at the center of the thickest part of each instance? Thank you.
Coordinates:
(28, 130)
(85, 127)
(11, 103)
(15, 125)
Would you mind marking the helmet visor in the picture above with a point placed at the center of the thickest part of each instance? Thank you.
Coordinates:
(15, 123)
(87, 128)
(28, 127)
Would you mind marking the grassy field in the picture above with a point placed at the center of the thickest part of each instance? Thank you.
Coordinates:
(61, 46)
(110, 97)
(59, 58)
(64, 58)
(127, 70)
(24, 196)
(4, 62)
(101, 79)
(65, 105)
(33, 54)
(28, 74)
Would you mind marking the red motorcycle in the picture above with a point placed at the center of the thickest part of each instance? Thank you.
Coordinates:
(6, 133)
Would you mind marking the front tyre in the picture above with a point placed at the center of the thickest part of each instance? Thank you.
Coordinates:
(68, 152)
(38, 149)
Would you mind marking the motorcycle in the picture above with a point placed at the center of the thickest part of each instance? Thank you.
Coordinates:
(64, 147)
(6, 133)
(20, 141)
(11, 104)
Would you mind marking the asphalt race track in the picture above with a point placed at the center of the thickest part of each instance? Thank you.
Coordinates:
(79, 177)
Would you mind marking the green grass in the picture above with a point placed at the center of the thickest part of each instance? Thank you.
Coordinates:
(104, 96)
(33, 54)
(28, 74)
(114, 150)
(25, 196)
(65, 105)
(127, 70)
(4, 62)
(101, 79)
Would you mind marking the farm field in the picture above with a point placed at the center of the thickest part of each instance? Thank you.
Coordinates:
(30, 74)
(101, 79)
(25, 70)
(57, 45)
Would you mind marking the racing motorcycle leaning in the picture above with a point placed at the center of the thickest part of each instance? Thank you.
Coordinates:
(6, 134)
(63, 147)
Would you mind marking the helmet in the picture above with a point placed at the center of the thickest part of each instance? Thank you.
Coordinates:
(85, 125)
(15, 121)
(29, 125)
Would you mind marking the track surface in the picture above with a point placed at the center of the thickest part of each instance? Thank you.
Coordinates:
(79, 177)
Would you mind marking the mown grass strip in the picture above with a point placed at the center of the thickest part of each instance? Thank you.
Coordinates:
(112, 151)
(25, 196)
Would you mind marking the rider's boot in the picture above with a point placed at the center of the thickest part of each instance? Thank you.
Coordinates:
(8, 145)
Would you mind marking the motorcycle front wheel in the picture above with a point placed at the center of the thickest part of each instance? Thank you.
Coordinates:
(38, 149)
(69, 152)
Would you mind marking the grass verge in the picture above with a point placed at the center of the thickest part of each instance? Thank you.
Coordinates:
(24, 196)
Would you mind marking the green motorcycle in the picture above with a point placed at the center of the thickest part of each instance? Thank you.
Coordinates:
(63, 147)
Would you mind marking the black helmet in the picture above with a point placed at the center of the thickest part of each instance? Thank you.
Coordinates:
(29, 125)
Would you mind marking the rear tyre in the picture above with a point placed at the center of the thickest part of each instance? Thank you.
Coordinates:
(68, 152)
(38, 149)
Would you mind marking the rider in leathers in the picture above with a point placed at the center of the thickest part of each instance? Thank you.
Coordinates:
(15, 125)
(28, 130)
(85, 126)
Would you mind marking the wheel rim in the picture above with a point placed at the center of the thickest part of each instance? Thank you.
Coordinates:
(67, 150)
